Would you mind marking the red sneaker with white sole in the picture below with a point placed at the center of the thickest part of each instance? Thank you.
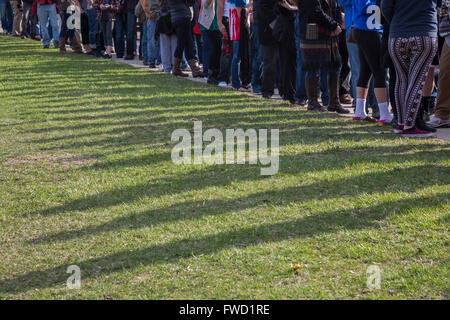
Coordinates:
(416, 133)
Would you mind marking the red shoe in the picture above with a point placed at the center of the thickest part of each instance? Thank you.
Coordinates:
(416, 133)
(398, 129)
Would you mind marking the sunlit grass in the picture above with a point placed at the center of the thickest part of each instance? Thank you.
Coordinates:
(87, 179)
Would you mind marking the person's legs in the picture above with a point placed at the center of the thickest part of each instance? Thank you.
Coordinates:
(131, 39)
(235, 61)
(225, 57)
(324, 85)
(270, 58)
(64, 34)
(180, 30)
(143, 47)
(353, 58)
(369, 43)
(53, 17)
(206, 52)
(257, 57)
(166, 52)
(107, 35)
(173, 46)
(93, 28)
(288, 70)
(344, 75)
(26, 13)
(423, 50)
(17, 22)
(151, 43)
(442, 112)
(43, 16)
(119, 25)
(215, 40)
(312, 90)
(3, 18)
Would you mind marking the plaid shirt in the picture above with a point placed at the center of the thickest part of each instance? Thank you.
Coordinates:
(115, 7)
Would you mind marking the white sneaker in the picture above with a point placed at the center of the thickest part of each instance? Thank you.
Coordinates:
(223, 84)
(436, 122)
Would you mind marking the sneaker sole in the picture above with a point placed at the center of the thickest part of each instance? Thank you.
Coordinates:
(421, 135)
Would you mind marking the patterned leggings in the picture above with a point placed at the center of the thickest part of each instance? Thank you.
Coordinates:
(412, 58)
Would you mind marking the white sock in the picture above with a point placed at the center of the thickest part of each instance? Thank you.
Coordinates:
(360, 110)
(384, 112)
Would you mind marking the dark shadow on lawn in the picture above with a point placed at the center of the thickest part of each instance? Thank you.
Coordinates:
(191, 210)
(308, 226)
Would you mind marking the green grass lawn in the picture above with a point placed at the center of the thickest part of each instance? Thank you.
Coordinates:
(87, 179)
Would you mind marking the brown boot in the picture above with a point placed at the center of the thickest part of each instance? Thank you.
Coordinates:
(333, 88)
(312, 91)
(62, 45)
(76, 45)
(176, 71)
(196, 70)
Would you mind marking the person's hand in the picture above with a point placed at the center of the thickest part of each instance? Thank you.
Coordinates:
(222, 28)
(336, 31)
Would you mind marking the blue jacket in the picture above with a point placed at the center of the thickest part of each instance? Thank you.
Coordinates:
(348, 6)
(366, 15)
(411, 17)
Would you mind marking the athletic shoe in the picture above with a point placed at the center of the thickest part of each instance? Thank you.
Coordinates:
(398, 129)
(367, 118)
(416, 133)
(436, 122)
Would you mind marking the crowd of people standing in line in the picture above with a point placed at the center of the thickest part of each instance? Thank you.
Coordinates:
(320, 53)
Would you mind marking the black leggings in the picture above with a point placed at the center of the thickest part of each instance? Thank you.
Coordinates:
(369, 45)
(184, 39)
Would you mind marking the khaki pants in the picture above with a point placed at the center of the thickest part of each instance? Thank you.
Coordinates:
(443, 96)
(17, 23)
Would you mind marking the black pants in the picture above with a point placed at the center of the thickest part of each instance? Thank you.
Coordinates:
(215, 38)
(345, 69)
(270, 59)
(288, 70)
(245, 73)
(226, 57)
(184, 39)
(84, 21)
(369, 44)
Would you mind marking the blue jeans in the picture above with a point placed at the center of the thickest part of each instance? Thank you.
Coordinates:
(127, 27)
(353, 57)
(235, 62)
(154, 55)
(143, 48)
(3, 17)
(206, 52)
(47, 13)
(257, 60)
(94, 35)
(300, 92)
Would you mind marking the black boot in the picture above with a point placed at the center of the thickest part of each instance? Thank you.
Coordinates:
(333, 88)
(420, 123)
(312, 91)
